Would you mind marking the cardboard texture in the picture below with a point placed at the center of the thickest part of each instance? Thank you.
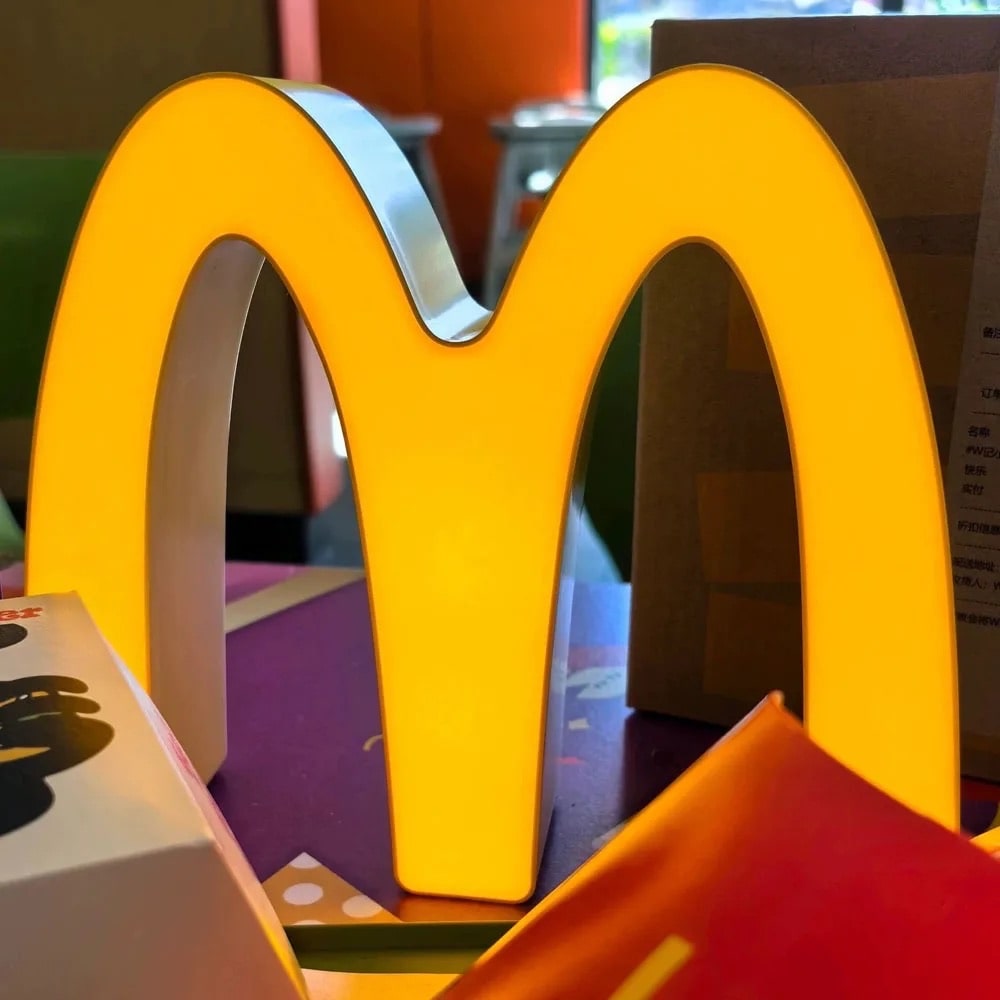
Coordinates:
(112, 854)
(973, 490)
(716, 615)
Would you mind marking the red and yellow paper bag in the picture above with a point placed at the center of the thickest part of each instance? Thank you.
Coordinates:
(767, 871)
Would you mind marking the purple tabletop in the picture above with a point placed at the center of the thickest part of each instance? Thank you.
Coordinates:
(304, 774)
(305, 771)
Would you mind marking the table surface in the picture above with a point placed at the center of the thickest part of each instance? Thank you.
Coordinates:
(304, 775)
(305, 771)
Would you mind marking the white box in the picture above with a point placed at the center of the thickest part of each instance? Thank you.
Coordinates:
(119, 879)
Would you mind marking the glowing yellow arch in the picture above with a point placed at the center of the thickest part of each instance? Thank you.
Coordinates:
(463, 444)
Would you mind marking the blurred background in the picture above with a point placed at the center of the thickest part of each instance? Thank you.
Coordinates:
(488, 100)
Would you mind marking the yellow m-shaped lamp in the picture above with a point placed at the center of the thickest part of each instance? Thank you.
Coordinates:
(464, 428)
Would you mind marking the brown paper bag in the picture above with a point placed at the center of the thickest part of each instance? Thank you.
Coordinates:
(716, 619)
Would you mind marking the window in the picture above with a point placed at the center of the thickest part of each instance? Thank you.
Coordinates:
(621, 27)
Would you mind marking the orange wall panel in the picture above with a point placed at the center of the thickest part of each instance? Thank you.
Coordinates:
(490, 56)
(466, 157)
(464, 60)
(485, 58)
(374, 51)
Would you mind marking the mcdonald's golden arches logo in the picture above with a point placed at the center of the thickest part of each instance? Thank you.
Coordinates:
(464, 428)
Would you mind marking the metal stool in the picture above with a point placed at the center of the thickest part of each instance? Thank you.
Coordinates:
(538, 140)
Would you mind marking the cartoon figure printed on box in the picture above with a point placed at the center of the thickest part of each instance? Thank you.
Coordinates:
(45, 727)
